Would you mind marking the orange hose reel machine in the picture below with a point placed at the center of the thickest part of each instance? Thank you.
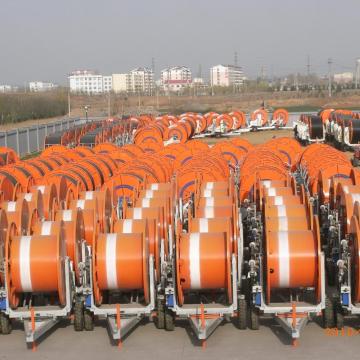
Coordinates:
(149, 228)
(203, 263)
(50, 199)
(18, 213)
(292, 242)
(120, 263)
(74, 232)
(90, 217)
(355, 253)
(3, 235)
(34, 264)
(104, 206)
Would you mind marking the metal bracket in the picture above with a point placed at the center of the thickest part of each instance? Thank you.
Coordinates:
(126, 325)
(203, 329)
(287, 323)
(41, 319)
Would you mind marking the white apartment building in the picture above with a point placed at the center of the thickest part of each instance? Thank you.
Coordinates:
(141, 80)
(226, 75)
(344, 78)
(86, 81)
(5, 89)
(121, 83)
(107, 84)
(137, 81)
(39, 86)
(175, 79)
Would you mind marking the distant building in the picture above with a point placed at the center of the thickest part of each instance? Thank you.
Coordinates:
(121, 83)
(40, 86)
(226, 75)
(198, 81)
(107, 84)
(175, 79)
(5, 89)
(86, 81)
(344, 78)
(141, 80)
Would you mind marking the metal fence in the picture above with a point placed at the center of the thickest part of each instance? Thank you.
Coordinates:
(32, 139)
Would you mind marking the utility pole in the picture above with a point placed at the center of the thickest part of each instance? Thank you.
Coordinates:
(153, 76)
(109, 104)
(69, 104)
(308, 66)
(235, 65)
(308, 69)
(330, 61)
(357, 73)
(262, 72)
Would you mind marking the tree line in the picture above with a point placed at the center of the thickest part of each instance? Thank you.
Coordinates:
(19, 107)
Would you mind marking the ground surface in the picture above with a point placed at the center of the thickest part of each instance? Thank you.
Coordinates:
(255, 137)
(147, 342)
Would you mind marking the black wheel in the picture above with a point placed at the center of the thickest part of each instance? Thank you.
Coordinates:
(79, 322)
(355, 161)
(328, 314)
(242, 314)
(254, 319)
(160, 317)
(169, 320)
(5, 324)
(88, 320)
(339, 317)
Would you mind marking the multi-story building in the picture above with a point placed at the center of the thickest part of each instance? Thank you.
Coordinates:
(138, 81)
(175, 79)
(226, 75)
(107, 84)
(344, 78)
(86, 81)
(121, 83)
(39, 86)
(141, 81)
(5, 89)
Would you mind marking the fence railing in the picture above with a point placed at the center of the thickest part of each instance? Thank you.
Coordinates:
(31, 139)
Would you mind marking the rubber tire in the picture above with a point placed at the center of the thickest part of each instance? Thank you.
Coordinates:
(242, 314)
(339, 317)
(254, 319)
(355, 162)
(169, 321)
(79, 321)
(328, 314)
(5, 324)
(88, 320)
(160, 318)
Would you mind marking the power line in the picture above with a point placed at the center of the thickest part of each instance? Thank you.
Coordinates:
(308, 66)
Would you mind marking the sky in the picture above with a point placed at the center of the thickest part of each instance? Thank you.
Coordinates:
(47, 39)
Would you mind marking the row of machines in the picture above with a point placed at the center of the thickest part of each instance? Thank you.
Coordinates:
(264, 236)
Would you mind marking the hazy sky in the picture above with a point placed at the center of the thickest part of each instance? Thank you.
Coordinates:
(46, 39)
